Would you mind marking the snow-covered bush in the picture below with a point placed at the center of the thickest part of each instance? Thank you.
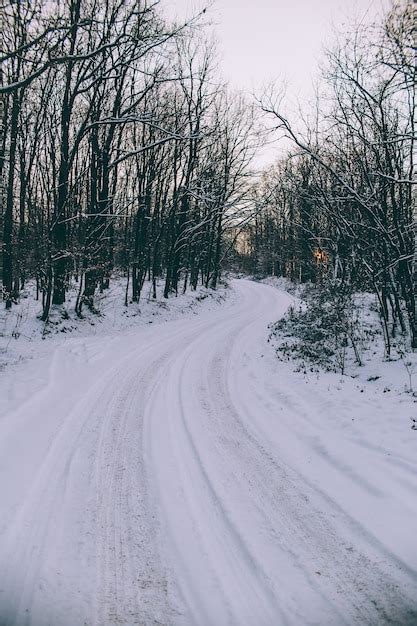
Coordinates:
(325, 331)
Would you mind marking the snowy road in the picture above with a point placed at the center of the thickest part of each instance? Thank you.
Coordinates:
(188, 483)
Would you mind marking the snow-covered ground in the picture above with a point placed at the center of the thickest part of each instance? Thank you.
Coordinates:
(178, 473)
(377, 374)
(24, 337)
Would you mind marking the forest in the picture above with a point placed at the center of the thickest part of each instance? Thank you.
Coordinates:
(122, 151)
(208, 336)
(341, 206)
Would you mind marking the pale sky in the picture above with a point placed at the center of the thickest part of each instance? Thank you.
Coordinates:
(273, 40)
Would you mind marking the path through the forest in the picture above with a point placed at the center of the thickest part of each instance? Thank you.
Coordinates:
(174, 476)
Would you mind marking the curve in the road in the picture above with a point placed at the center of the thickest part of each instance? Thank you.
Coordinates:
(167, 497)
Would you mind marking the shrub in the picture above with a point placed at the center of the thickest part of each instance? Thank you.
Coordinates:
(324, 329)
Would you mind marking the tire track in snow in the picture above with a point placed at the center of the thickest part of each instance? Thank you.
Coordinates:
(31, 569)
(162, 499)
(285, 536)
(249, 596)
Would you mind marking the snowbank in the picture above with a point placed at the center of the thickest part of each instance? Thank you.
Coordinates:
(25, 338)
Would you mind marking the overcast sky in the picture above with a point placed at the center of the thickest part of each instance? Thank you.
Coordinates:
(264, 40)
